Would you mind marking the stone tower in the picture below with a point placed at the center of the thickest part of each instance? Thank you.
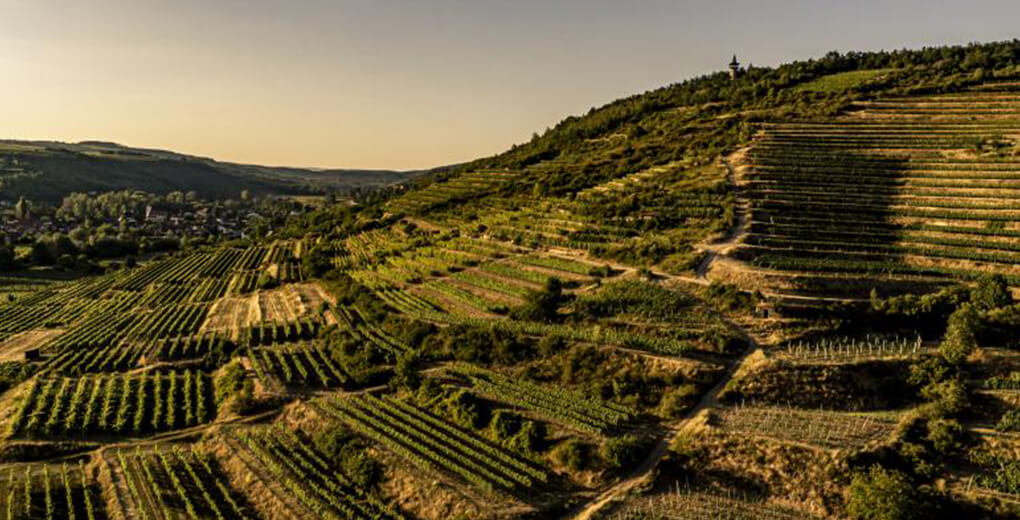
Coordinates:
(734, 68)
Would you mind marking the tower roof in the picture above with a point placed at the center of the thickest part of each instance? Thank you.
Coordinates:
(734, 62)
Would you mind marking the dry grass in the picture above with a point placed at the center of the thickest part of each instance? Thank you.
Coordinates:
(230, 315)
(13, 349)
(823, 429)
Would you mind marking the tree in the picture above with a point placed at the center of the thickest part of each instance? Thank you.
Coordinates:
(316, 262)
(465, 410)
(882, 494)
(504, 424)
(405, 373)
(621, 451)
(991, 292)
(41, 254)
(529, 438)
(233, 390)
(571, 453)
(542, 305)
(6, 257)
(960, 339)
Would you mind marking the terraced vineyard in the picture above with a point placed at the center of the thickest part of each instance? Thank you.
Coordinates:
(115, 404)
(922, 188)
(698, 284)
(49, 491)
(300, 469)
(297, 365)
(460, 188)
(689, 504)
(851, 349)
(432, 444)
(570, 408)
(826, 429)
(171, 482)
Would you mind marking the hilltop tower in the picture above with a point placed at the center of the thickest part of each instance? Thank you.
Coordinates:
(734, 68)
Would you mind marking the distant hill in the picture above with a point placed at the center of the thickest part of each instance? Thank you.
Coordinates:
(48, 171)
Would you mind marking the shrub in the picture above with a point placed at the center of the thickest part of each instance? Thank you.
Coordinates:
(621, 451)
(530, 438)
(234, 391)
(330, 441)
(316, 262)
(466, 410)
(14, 372)
(960, 338)
(991, 292)
(947, 397)
(729, 297)
(882, 494)
(542, 305)
(572, 454)
(551, 345)
(363, 470)
(504, 425)
(676, 401)
(945, 435)
(406, 371)
(267, 281)
(1010, 422)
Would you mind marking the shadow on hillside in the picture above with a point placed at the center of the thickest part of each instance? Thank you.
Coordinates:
(828, 214)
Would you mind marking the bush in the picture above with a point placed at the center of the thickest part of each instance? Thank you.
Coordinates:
(991, 292)
(1010, 422)
(14, 372)
(882, 494)
(234, 391)
(622, 451)
(347, 453)
(676, 401)
(316, 262)
(729, 297)
(530, 438)
(267, 281)
(945, 435)
(330, 441)
(551, 345)
(504, 425)
(406, 371)
(483, 344)
(947, 397)
(542, 305)
(572, 454)
(465, 410)
(363, 470)
(960, 338)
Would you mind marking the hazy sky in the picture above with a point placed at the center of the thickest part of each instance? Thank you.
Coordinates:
(402, 84)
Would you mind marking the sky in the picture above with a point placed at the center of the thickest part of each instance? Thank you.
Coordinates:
(408, 84)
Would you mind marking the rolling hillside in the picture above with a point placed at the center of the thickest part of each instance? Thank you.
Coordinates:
(660, 309)
(48, 171)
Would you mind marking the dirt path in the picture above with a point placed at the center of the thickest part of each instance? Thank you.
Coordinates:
(714, 250)
(639, 475)
(742, 214)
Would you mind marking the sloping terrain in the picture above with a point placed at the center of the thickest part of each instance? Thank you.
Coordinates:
(48, 171)
(921, 187)
(660, 309)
